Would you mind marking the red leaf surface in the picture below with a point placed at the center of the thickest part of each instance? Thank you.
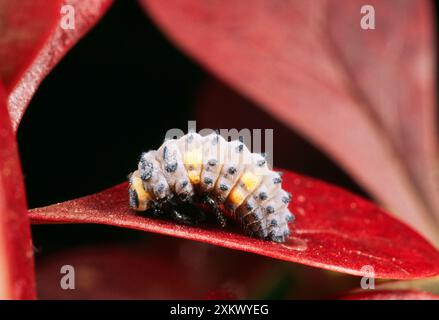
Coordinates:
(41, 56)
(391, 295)
(364, 97)
(25, 26)
(334, 230)
(16, 254)
(172, 268)
(143, 270)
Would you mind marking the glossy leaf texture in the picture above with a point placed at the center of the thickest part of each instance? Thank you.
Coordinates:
(16, 252)
(334, 230)
(366, 97)
(391, 295)
(55, 44)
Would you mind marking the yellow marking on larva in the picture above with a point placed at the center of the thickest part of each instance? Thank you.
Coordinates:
(194, 176)
(193, 158)
(250, 180)
(143, 196)
(237, 196)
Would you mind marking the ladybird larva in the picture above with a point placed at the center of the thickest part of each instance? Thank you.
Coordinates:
(222, 175)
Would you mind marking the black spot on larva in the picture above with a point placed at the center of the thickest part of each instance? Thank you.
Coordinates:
(286, 199)
(160, 188)
(165, 153)
(273, 223)
(134, 199)
(146, 168)
(269, 209)
(184, 183)
(287, 232)
(215, 140)
(290, 217)
(208, 180)
(249, 207)
(260, 163)
(277, 180)
(212, 162)
(239, 148)
(263, 196)
(171, 167)
(232, 170)
(241, 138)
(223, 187)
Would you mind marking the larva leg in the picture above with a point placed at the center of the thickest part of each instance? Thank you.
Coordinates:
(157, 209)
(198, 214)
(216, 210)
(182, 218)
(184, 212)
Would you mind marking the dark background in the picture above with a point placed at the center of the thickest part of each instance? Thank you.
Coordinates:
(115, 94)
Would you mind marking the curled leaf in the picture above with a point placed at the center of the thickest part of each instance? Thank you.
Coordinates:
(53, 47)
(24, 28)
(334, 230)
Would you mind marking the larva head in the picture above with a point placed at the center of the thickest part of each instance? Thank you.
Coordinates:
(140, 199)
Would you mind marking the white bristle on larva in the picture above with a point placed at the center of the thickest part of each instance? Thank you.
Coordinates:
(224, 176)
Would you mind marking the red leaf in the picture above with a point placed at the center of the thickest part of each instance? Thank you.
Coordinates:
(49, 50)
(391, 295)
(364, 97)
(185, 270)
(334, 230)
(16, 255)
(25, 26)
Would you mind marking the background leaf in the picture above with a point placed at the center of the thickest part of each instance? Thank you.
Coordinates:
(143, 270)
